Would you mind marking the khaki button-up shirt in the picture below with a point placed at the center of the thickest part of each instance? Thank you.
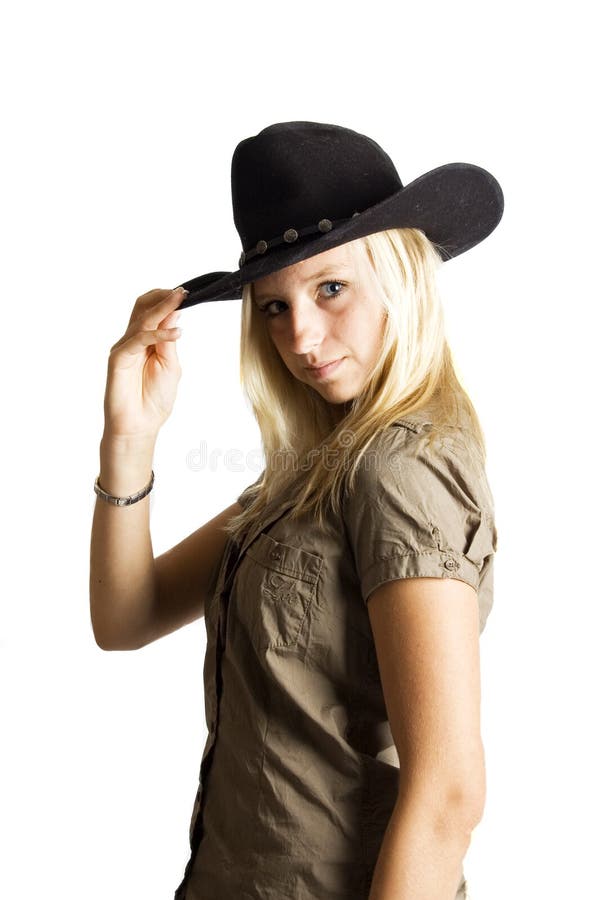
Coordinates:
(300, 773)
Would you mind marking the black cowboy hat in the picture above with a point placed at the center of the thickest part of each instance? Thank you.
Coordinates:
(300, 188)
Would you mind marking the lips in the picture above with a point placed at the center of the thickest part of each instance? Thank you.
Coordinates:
(322, 365)
(326, 370)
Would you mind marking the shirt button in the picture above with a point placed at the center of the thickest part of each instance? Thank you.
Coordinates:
(275, 554)
(451, 564)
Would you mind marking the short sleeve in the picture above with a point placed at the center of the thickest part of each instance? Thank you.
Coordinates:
(421, 511)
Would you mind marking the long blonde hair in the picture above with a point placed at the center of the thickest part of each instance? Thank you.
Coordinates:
(414, 369)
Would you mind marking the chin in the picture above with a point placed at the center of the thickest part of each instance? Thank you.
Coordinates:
(337, 398)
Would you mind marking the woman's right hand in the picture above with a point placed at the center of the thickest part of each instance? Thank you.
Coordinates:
(144, 369)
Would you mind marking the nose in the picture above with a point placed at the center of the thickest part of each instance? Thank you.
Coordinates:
(306, 328)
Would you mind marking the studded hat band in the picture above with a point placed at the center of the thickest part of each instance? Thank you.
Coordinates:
(291, 235)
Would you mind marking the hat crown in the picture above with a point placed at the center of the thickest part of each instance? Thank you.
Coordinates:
(291, 175)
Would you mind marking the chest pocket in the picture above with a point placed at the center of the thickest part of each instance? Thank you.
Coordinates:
(277, 593)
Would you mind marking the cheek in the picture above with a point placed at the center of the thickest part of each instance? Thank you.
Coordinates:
(365, 326)
(273, 339)
(280, 347)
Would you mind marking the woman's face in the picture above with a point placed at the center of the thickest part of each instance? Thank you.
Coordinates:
(322, 309)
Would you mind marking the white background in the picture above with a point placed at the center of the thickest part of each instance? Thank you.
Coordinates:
(119, 122)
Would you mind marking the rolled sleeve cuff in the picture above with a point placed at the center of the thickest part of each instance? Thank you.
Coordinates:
(436, 564)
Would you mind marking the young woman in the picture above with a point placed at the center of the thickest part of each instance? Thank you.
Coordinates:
(345, 591)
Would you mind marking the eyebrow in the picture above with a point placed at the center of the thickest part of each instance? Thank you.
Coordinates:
(329, 270)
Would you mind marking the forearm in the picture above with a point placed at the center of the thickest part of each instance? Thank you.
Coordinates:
(422, 852)
(122, 580)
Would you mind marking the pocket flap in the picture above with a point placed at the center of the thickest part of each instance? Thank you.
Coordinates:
(285, 559)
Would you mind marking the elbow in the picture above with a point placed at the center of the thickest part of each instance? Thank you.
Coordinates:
(464, 807)
(454, 806)
(451, 817)
(105, 644)
(107, 641)
(107, 633)
(100, 636)
(101, 641)
(465, 796)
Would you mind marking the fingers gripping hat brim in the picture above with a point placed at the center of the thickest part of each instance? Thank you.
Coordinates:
(456, 205)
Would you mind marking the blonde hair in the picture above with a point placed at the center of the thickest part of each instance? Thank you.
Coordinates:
(413, 369)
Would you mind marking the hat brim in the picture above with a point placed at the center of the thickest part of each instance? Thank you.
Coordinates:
(456, 205)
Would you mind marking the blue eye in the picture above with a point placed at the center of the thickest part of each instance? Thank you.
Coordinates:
(333, 282)
(270, 315)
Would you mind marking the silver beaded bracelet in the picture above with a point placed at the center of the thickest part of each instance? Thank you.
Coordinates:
(123, 501)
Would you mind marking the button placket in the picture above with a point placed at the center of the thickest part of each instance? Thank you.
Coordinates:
(234, 557)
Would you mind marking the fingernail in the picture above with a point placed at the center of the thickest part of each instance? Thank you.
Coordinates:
(181, 290)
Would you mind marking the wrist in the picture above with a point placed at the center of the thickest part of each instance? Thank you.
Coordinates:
(120, 446)
(125, 464)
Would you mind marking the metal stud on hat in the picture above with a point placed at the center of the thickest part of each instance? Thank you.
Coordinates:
(301, 188)
(290, 235)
